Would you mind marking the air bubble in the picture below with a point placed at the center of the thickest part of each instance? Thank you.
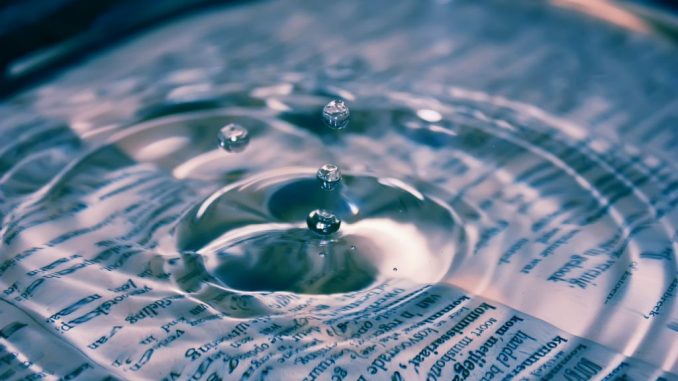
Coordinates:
(233, 138)
(323, 222)
(336, 114)
(329, 176)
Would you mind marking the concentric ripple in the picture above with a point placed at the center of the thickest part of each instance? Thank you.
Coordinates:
(453, 202)
(253, 237)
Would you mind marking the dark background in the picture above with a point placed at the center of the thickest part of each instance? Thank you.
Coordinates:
(49, 34)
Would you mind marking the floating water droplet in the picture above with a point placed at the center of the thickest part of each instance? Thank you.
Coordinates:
(336, 114)
(329, 176)
(233, 138)
(323, 221)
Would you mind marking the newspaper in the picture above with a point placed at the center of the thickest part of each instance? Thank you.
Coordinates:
(94, 287)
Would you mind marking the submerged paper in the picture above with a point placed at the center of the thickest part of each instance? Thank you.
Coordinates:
(559, 263)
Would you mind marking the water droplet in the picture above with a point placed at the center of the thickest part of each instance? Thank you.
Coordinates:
(395, 269)
(323, 222)
(329, 176)
(336, 114)
(352, 247)
(233, 138)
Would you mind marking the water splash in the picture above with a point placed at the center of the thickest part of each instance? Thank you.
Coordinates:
(329, 176)
(323, 222)
(233, 138)
(474, 190)
(336, 114)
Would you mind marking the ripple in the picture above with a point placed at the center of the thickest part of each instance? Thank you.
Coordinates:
(453, 193)
(253, 234)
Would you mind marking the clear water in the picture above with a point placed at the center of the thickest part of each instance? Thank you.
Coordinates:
(329, 176)
(336, 114)
(446, 195)
(233, 138)
(323, 221)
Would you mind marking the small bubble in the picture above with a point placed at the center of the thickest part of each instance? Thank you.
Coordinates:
(233, 138)
(395, 269)
(329, 176)
(322, 253)
(323, 222)
(352, 247)
(336, 114)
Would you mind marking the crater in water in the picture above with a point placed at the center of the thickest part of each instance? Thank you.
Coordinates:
(253, 236)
